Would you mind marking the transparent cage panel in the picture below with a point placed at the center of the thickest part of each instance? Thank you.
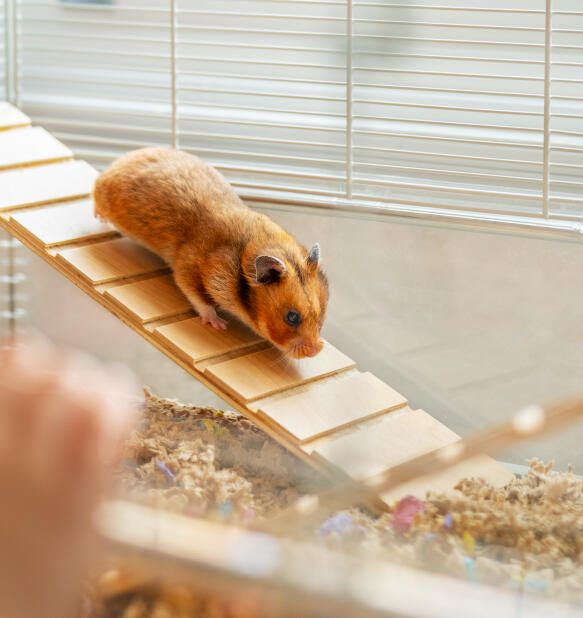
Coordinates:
(468, 325)
(4, 288)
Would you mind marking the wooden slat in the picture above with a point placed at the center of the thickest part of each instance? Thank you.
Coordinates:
(111, 260)
(481, 466)
(28, 146)
(11, 117)
(381, 444)
(195, 341)
(269, 371)
(41, 184)
(326, 406)
(60, 224)
(151, 299)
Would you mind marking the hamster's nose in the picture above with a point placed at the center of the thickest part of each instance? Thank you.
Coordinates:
(315, 348)
(305, 348)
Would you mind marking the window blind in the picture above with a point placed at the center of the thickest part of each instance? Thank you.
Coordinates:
(3, 53)
(463, 108)
(97, 75)
(261, 91)
(566, 113)
(448, 104)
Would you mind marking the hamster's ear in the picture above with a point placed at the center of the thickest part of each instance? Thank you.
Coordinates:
(268, 269)
(314, 255)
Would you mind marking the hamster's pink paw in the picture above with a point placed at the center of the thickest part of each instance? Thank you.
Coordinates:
(211, 317)
(215, 322)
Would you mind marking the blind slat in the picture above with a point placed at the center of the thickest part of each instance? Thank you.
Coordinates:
(445, 98)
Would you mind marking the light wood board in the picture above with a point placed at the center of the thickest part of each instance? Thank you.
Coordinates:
(30, 146)
(11, 117)
(150, 299)
(41, 184)
(111, 260)
(385, 442)
(195, 341)
(61, 223)
(329, 405)
(254, 382)
(270, 371)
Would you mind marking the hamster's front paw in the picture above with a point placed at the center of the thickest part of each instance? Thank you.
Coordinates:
(209, 316)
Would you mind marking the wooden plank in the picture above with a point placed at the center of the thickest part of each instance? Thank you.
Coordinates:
(28, 146)
(384, 443)
(11, 117)
(330, 405)
(41, 184)
(195, 341)
(150, 299)
(60, 224)
(269, 371)
(481, 466)
(111, 260)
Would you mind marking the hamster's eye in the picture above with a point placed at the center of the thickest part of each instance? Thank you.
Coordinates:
(293, 318)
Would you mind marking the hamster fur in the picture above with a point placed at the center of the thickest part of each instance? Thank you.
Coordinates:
(222, 252)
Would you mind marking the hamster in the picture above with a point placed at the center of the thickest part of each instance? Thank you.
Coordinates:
(222, 253)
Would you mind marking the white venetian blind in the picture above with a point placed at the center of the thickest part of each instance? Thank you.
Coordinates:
(463, 107)
(448, 103)
(3, 52)
(97, 75)
(261, 91)
(566, 121)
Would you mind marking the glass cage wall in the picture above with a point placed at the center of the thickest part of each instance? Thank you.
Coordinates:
(469, 325)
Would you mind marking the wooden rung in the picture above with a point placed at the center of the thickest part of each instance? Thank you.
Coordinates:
(384, 443)
(481, 466)
(324, 407)
(194, 341)
(150, 299)
(11, 117)
(111, 260)
(41, 184)
(61, 224)
(28, 146)
(268, 371)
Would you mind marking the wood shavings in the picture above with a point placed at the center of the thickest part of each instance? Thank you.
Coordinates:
(527, 536)
(206, 463)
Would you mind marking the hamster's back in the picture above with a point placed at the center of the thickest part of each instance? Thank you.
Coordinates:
(160, 196)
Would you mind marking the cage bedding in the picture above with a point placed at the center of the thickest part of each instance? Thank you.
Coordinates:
(201, 462)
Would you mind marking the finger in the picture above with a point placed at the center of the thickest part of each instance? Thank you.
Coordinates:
(84, 419)
(26, 374)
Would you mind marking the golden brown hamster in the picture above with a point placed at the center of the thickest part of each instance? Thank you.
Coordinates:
(222, 252)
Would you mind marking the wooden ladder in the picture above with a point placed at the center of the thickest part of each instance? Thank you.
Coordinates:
(345, 423)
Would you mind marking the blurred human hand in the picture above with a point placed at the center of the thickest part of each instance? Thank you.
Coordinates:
(63, 417)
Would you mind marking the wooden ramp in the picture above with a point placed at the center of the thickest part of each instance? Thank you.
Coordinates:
(343, 422)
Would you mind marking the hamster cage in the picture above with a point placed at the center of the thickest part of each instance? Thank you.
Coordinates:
(433, 152)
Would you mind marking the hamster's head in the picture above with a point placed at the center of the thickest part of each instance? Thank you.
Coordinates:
(290, 295)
